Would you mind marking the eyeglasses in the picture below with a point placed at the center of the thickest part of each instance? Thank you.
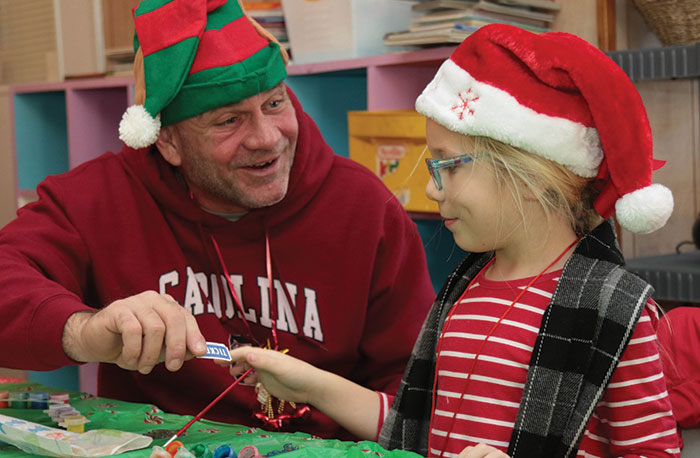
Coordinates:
(434, 166)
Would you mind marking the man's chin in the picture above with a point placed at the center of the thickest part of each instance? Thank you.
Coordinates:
(267, 201)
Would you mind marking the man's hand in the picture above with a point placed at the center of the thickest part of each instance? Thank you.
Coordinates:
(136, 333)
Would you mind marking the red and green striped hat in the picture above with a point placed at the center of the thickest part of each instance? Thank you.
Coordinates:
(193, 56)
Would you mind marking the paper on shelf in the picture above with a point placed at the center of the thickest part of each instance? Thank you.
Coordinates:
(38, 439)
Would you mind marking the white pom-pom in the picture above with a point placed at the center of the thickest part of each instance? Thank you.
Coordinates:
(644, 210)
(138, 128)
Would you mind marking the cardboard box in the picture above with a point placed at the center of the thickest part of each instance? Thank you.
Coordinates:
(323, 30)
(392, 145)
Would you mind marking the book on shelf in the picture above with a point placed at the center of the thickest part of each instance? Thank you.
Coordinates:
(451, 21)
(514, 11)
(435, 10)
(465, 21)
(455, 34)
(442, 4)
(271, 16)
(508, 15)
(547, 5)
(475, 19)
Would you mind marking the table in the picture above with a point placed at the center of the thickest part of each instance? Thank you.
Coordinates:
(148, 419)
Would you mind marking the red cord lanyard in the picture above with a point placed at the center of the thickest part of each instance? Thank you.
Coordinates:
(239, 305)
(481, 347)
(273, 302)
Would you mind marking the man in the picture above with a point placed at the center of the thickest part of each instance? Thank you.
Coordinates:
(226, 219)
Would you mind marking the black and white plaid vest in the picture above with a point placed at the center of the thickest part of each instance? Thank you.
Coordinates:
(585, 328)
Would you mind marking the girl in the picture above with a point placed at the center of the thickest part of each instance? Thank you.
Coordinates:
(540, 344)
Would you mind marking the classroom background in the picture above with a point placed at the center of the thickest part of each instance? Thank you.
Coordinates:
(357, 67)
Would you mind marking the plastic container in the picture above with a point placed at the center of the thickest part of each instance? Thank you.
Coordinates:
(323, 30)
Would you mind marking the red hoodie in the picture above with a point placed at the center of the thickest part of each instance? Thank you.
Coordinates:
(351, 259)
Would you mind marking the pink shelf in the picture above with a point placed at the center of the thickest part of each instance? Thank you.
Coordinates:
(88, 83)
(393, 80)
(421, 56)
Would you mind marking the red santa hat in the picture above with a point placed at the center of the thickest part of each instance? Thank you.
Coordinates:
(557, 96)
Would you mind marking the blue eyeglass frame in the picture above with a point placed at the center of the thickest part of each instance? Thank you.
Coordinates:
(434, 166)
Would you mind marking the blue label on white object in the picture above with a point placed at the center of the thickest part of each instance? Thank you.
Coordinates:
(217, 351)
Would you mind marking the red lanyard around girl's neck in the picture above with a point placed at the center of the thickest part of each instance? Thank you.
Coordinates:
(481, 347)
(239, 305)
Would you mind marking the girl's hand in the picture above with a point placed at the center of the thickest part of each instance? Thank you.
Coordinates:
(350, 405)
(283, 376)
(482, 451)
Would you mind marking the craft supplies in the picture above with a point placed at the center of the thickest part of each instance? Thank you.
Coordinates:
(224, 451)
(218, 398)
(201, 451)
(182, 452)
(59, 398)
(38, 400)
(36, 439)
(173, 447)
(74, 423)
(249, 451)
(58, 411)
(159, 452)
(18, 400)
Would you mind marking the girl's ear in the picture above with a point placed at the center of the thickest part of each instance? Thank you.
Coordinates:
(169, 146)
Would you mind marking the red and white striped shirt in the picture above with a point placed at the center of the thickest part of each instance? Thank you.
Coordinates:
(633, 419)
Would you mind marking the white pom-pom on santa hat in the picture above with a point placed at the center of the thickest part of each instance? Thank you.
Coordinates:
(138, 129)
(644, 210)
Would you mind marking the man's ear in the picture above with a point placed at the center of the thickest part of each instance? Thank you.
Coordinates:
(169, 145)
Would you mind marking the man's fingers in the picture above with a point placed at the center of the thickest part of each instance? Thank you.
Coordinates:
(195, 340)
(154, 329)
(128, 326)
(175, 331)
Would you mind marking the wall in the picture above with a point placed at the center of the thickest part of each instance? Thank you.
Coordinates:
(7, 166)
(25, 56)
(673, 108)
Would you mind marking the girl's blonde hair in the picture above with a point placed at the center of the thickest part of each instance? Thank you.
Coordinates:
(558, 190)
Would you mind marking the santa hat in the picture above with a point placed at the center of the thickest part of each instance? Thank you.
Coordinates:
(557, 96)
(193, 56)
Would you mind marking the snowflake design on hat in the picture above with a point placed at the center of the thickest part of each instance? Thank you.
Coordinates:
(464, 104)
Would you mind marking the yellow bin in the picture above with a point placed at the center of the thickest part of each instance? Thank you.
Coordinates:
(392, 145)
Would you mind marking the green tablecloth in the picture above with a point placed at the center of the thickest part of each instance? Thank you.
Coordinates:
(148, 419)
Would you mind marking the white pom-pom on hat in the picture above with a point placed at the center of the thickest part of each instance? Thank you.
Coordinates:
(644, 210)
(138, 129)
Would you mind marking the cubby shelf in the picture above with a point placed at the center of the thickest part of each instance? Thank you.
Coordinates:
(57, 126)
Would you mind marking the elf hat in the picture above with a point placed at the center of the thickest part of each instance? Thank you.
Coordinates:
(193, 56)
(557, 96)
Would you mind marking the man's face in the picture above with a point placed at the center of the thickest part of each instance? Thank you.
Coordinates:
(237, 157)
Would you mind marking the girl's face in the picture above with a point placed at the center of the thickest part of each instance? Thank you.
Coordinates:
(480, 215)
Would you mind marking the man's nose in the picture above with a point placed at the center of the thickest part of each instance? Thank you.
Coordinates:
(264, 133)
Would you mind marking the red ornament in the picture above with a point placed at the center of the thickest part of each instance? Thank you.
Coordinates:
(280, 416)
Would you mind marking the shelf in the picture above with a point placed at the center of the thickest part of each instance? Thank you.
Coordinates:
(425, 56)
(675, 277)
(59, 125)
(670, 62)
